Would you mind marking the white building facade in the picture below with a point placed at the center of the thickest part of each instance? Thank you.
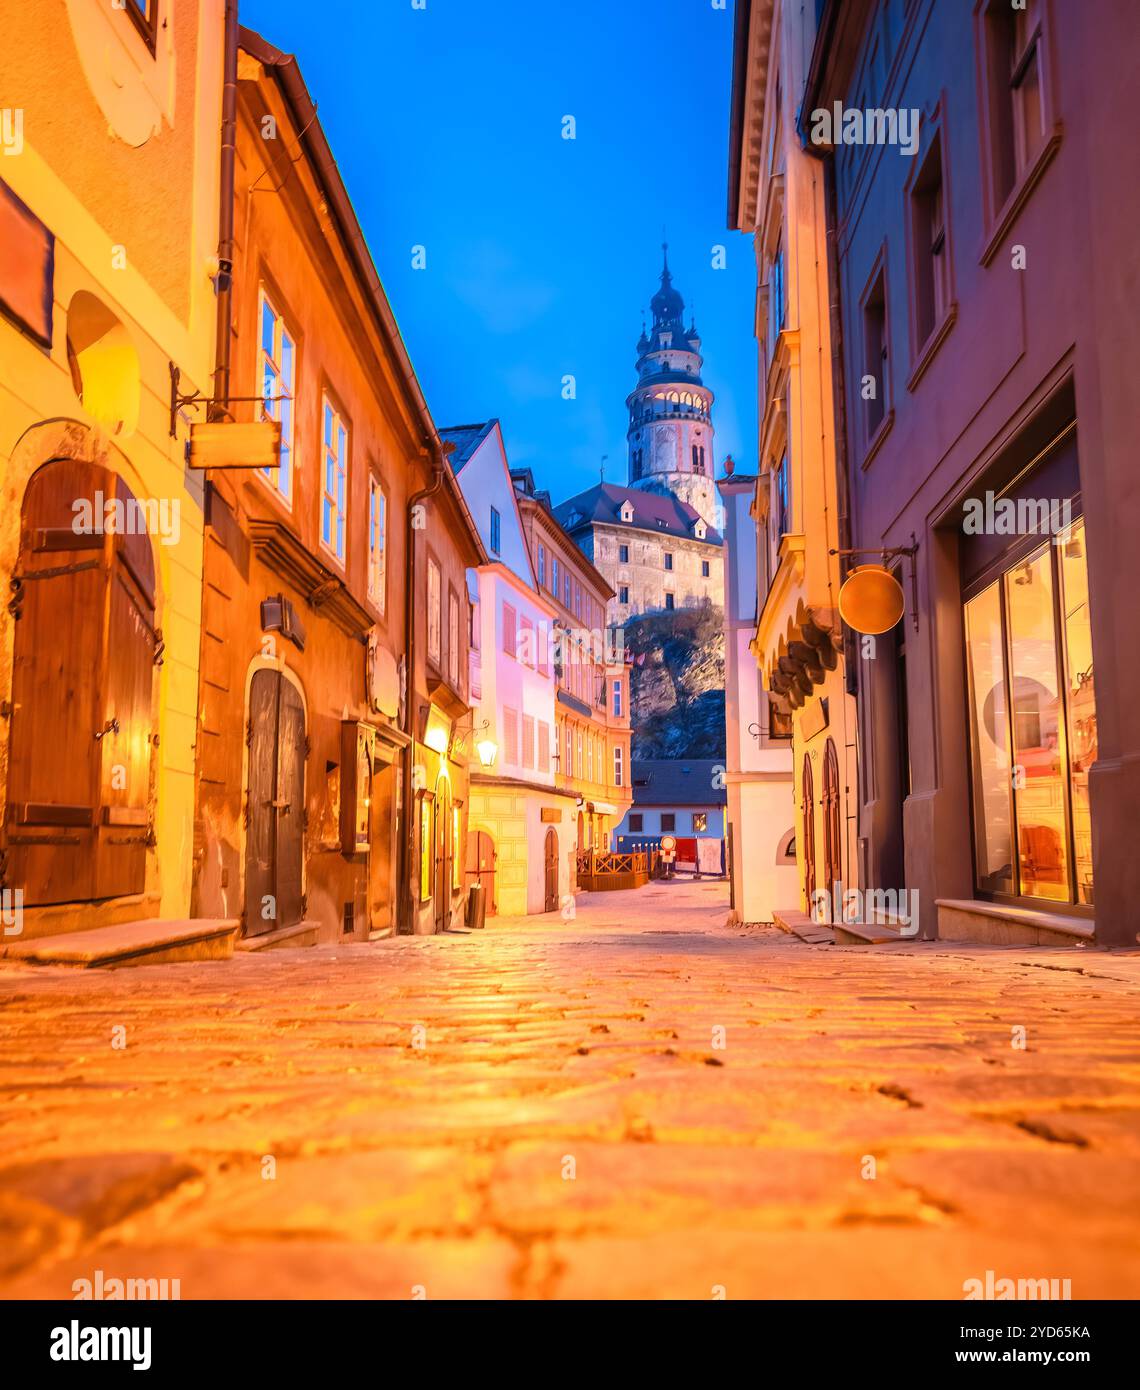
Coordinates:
(761, 831)
(521, 828)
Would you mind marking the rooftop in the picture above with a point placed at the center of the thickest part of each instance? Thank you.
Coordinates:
(678, 782)
(652, 511)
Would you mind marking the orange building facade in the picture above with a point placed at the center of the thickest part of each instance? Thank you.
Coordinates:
(332, 790)
(592, 679)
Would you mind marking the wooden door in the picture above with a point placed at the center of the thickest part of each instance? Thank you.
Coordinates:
(832, 818)
(551, 859)
(807, 807)
(275, 786)
(382, 857)
(443, 855)
(79, 777)
(481, 864)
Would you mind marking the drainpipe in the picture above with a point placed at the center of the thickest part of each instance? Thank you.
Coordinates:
(417, 499)
(839, 410)
(221, 392)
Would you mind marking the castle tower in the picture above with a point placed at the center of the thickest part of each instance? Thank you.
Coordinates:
(670, 409)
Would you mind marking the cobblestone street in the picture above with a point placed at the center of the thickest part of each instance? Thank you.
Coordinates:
(639, 1102)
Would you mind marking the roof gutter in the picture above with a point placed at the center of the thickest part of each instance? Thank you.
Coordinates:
(286, 70)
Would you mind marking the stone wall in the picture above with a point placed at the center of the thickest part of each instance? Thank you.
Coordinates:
(645, 575)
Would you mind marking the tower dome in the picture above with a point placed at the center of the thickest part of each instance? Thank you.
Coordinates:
(670, 431)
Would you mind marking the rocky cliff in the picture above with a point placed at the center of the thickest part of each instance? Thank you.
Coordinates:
(677, 683)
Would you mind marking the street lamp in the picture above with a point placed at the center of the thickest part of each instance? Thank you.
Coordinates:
(486, 746)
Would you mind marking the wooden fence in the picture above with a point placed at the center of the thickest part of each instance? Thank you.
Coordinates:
(603, 870)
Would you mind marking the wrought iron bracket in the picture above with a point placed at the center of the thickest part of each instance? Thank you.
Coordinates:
(179, 400)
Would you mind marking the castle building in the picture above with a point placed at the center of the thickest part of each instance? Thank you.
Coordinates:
(670, 431)
(657, 540)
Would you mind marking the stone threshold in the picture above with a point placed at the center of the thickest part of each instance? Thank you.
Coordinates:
(148, 942)
(1002, 924)
(797, 923)
(299, 934)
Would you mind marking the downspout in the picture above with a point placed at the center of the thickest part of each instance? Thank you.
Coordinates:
(414, 502)
(225, 279)
(839, 411)
(842, 479)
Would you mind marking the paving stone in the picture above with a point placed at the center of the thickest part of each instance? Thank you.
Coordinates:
(720, 1092)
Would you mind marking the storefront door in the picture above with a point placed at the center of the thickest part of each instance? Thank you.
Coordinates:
(276, 787)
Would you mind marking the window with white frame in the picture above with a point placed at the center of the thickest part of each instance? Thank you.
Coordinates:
(618, 769)
(617, 698)
(434, 613)
(278, 354)
(334, 479)
(377, 544)
(453, 639)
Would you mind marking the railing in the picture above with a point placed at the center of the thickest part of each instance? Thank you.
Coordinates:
(602, 870)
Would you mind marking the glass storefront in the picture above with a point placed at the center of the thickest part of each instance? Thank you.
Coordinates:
(1032, 715)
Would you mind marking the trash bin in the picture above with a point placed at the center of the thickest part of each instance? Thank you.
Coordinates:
(476, 905)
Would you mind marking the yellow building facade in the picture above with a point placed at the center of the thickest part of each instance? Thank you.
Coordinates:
(109, 238)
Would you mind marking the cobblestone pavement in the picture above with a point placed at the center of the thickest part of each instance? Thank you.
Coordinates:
(574, 1124)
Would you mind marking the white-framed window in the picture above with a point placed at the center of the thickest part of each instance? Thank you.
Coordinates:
(377, 544)
(554, 575)
(618, 770)
(278, 357)
(434, 613)
(334, 478)
(453, 639)
(541, 565)
(617, 699)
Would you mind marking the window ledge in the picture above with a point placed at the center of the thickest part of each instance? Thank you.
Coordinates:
(877, 438)
(1018, 196)
(928, 350)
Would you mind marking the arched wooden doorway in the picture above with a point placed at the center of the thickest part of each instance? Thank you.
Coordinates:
(481, 864)
(444, 852)
(832, 820)
(807, 808)
(551, 860)
(275, 784)
(79, 796)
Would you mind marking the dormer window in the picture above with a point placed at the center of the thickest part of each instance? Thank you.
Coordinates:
(699, 530)
(627, 511)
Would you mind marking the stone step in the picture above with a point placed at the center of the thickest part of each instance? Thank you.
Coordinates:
(299, 934)
(970, 919)
(866, 934)
(797, 923)
(154, 940)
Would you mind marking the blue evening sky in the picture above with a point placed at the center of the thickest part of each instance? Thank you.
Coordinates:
(541, 252)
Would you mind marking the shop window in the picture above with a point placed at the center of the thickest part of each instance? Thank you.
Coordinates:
(426, 841)
(1032, 714)
(700, 822)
